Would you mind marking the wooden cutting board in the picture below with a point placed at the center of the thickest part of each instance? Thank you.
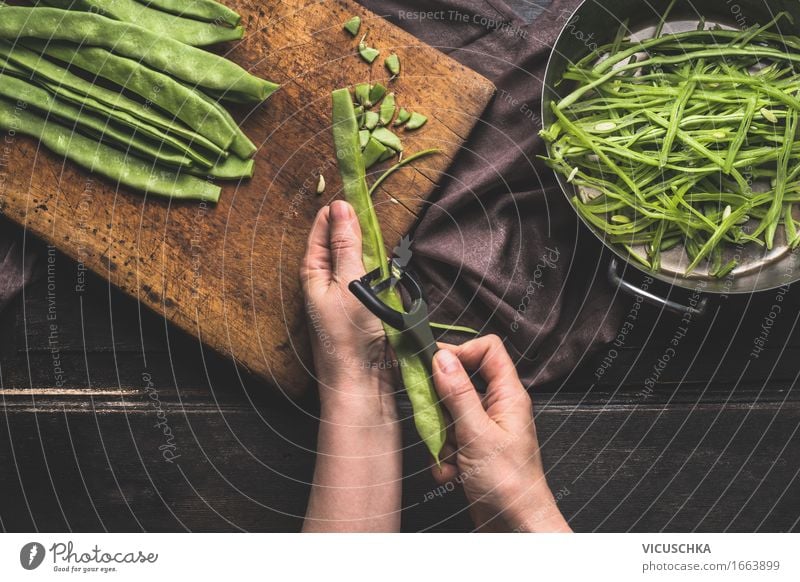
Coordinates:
(229, 274)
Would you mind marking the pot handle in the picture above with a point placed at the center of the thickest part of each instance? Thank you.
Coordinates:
(651, 298)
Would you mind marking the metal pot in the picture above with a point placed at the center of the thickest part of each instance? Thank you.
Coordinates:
(594, 23)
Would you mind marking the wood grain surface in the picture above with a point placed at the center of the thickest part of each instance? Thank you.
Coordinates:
(228, 274)
(714, 446)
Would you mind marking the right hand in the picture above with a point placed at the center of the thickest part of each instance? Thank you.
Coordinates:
(492, 448)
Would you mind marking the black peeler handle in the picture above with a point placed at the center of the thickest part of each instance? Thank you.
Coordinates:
(378, 308)
(414, 322)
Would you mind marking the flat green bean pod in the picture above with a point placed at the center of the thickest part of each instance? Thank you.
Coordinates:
(133, 123)
(416, 121)
(241, 144)
(428, 415)
(60, 80)
(106, 129)
(119, 117)
(230, 168)
(373, 152)
(205, 10)
(16, 89)
(191, 32)
(388, 109)
(104, 160)
(387, 138)
(192, 65)
(392, 63)
(192, 107)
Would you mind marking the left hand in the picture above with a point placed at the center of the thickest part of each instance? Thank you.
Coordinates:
(358, 473)
(349, 343)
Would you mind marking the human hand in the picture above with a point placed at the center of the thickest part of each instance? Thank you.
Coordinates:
(348, 342)
(492, 448)
(358, 472)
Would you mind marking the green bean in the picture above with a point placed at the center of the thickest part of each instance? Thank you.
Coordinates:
(387, 138)
(185, 30)
(371, 120)
(196, 67)
(416, 121)
(663, 19)
(748, 35)
(675, 117)
(127, 120)
(376, 93)
(388, 109)
(373, 152)
(672, 149)
(746, 80)
(191, 107)
(205, 10)
(392, 63)
(74, 88)
(363, 138)
(241, 144)
(646, 45)
(681, 58)
(368, 53)
(124, 119)
(402, 117)
(591, 145)
(353, 25)
(726, 269)
(789, 225)
(17, 89)
(716, 261)
(455, 328)
(361, 92)
(770, 223)
(104, 160)
(401, 164)
(691, 142)
(428, 415)
(230, 168)
(712, 242)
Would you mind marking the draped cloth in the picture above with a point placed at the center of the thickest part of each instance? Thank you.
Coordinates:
(15, 266)
(499, 248)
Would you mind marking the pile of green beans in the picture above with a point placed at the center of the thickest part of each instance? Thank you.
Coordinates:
(185, 30)
(685, 141)
(428, 416)
(378, 142)
(127, 77)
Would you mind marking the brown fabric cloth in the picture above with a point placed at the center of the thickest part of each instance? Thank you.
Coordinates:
(16, 266)
(500, 248)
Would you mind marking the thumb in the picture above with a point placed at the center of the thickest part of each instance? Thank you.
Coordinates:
(459, 396)
(345, 243)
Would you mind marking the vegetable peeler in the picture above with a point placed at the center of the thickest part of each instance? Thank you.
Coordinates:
(414, 323)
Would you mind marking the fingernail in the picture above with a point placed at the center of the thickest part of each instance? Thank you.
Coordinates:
(340, 210)
(447, 361)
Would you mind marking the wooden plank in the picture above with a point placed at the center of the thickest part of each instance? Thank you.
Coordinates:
(671, 468)
(106, 340)
(228, 275)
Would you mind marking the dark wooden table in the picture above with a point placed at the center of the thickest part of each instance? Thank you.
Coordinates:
(97, 392)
